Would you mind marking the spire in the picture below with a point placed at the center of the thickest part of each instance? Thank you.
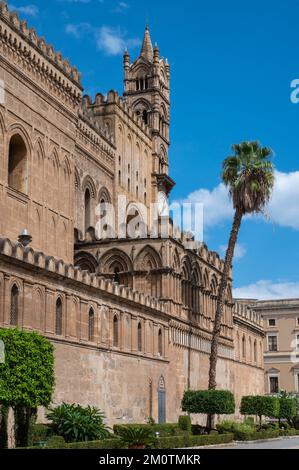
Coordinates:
(147, 48)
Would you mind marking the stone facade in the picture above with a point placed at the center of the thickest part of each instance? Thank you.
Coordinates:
(281, 344)
(131, 318)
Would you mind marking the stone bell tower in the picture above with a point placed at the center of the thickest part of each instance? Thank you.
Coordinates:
(147, 93)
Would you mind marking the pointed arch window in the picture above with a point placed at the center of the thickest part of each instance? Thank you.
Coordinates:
(58, 319)
(17, 164)
(243, 348)
(160, 343)
(91, 325)
(14, 306)
(255, 351)
(139, 334)
(115, 332)
(87, 206)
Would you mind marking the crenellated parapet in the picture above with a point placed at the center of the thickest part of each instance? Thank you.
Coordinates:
(21, 46)
(53, 266)
(247, 315)
(113, 99)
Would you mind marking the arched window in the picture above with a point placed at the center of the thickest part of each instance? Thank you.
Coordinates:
(145, 116)
(17, 164)
(160, 343)
(14, 306)
(115, 332)
(139, 337)
(116, 276)
(91, 325)
(129, 184)
(58, 319)
(144, 198)
(255, 351)
(87, 204)
(119, 177)
(243, 348)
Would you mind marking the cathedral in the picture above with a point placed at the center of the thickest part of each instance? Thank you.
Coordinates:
(130, 314)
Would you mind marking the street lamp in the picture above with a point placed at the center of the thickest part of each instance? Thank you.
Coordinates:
(25, 238)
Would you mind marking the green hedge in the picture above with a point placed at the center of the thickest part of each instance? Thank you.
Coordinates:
(289, 432)
(208, 402)
(164, 430)
(265, 434)
(104, 444)
(188, 440)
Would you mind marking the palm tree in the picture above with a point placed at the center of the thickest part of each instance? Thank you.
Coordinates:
(249, 175)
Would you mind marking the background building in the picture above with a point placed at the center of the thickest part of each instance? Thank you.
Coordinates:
(281, 344)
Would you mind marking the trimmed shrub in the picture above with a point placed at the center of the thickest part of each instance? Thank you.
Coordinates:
(104, 444)
(238, 429)
(287, 408)
(185, 423)
(188, 440)
(164, 430)
(260, 405)
(209, 402)
(289, 432)
(55, 442)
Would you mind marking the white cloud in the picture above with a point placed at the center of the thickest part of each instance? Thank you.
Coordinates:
(240, 250)
(267, 290)
(121, 6)
(79, 29)
(29, 10)
(283, 208)
(113, 42)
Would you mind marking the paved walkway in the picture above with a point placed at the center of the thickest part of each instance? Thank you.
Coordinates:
(280, 443)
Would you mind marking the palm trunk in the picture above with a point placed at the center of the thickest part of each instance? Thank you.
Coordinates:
(220, 301)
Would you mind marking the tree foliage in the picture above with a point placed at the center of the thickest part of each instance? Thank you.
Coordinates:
(27, 376)
(208, 402)
(260, 405)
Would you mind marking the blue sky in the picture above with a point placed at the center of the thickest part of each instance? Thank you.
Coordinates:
(232, 64)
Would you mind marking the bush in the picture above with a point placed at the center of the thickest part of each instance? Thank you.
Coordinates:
(287, 408)
(103, 444)
(238, 429)
(263, 434)
(296, 422)
(188, 440)
(209, 402)
(39, 433)
(136, 436)
(289, 432)
(260, 405)
(55, 442)
(185, 423)
(164, 430)
(76, 423)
